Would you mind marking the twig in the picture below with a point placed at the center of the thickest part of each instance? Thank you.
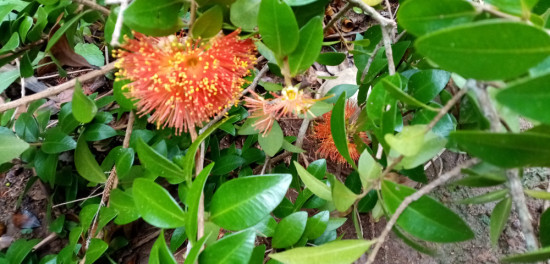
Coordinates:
(57, 89)
(118, 24)
(387, 39)
(193, 13)
(57, 74)
(485, 104)
(266, 162)
(338, 15)
(446, 108)
(410, 199)
(388, 6)
(78, 200)
(384, 22)
(45, 241)
(516, 192)
(94, 5)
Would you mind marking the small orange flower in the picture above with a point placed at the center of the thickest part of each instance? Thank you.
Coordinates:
(184, 82)
(323, 133)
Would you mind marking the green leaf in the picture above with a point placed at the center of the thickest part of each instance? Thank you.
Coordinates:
(19, 249)
(84, 108)
(124, 161)
(533, 256)
(24, 27)
(258, 255)
(369, 170)
(155, 18)
(96, 248)
(316, 225)
(544, 228)
(96, 132)
(91, 53)
(309, 47)
(231, 203)
(506, 150)
(195, 250)
(289, 230)
(41, 21)
(528, 97)
(12, 43)
(233, 248)
(425, 85)
(192, 201)
(46, 166)
(63, 29)
(421, 146)
(56, 142)
(485, 198)
(425, 218)
(156, 206)
(494, 49)
(338, 124)
(291, 148)
(11, 147)
(318, 168)
(331, 58)
(538, 194)
(244, 14)
(266, 227)
(316, 186)
(160, 254)
(394, 86)
(26, 127)
(483, 174)
(342, 197)
(336, 252)
(85, 163)
(278, 27)
(336, 91)
(208, 24)
(119, 91)
(499, 217)
(380, 62)
(273, 141)
(424, 16)
(521, 7)
(157, 163)
(442, 128)
(227, 164)
(123, 202)
(8, 77)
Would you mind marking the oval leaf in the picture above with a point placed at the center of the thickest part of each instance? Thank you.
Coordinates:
(273, 141)
(155, 18)
(208, 24)
(313, 184)
(156, 206)
(499, 217)
(85, 163)
(338, 126)
(84, 108)
(11, 147)
(289, 230)
(336, 252)
(157, 163)
(233, 248)
(278, 27)
(309, 47)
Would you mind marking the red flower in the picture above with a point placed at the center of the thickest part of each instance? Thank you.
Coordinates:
(183, 82)
(323, 133)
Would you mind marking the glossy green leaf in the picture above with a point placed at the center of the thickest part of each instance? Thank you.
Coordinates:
(309, 47)
(257, 255)
(84, 109)
(278, 27)
(533, 256)
(192, 201)
(425, 218)
(486, 197)
(424, 16)
(41, 21)
(26, 127)
(336, 91)
(96, 248)
(56, 142)
(273, 141)
(157, 163)
(499, 217)
(124, 161)
(96, 132)
(156, 206)
(318, 168)
(425, 85)
(442, 128)
(63, 29)
(394, 85)
(266, 227)
(336, 252)
(160, 254)
(12, 44)
(528, 97)
(85, 163)
(231, 204)
(316, 225)
(233, 248)
(244, 14)
(19, 249)
(369, 170)
(483, 174)
(331, 58)
(24, 27)
(195, 250)
(123, 202)
(46, 166)
(11, 147)
(91, 53)
(505, 149)
(380, 63)
(544, 228)
(338, 124)
(516, 7)
(313, 184)
(208, 24)
(8, 77)
(155, 18)
(227, 164)
(494, 49)
(289, 230)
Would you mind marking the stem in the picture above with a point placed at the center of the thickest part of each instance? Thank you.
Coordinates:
(338, 15)
(516, 192)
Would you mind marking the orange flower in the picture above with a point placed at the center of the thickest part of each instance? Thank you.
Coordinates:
(323, 133)
(184, 82)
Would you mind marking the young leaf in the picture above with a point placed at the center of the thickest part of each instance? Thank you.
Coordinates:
(195, 250)
(336, 252)
(160, 254)
(96, 248)
(369, 170)
(156, 206)
(425, 218)
(485, 198)
(85, 163)
(233, 248)
(11, 147)
(231, 203)
(499, 217)
(289, 230)
(424, 16)
(342, 197)
(338, 124)
(192, 201)
(316, 186)
(157, 163)
(155, 18)
(84, 108)
(309, 47)
(278, 27)
(534, 256)
(208, 24)
(494, 49)
(273, 141)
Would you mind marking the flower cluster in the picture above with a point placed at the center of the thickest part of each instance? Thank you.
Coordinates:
(183, 82)
(322, 132)
(291, 102)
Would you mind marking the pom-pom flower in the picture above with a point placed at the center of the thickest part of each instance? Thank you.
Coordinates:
(322, 132)
(291, 102)
(182, 82)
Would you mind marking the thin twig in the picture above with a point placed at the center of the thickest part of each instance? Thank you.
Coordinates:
(57, 89)
(78, 200)
(57, 74)
(118, 24)
(45, 241)
(338, 15)
(446, 108)
(384, 22)
(94, 5)
(387, 36)
(410, 199)
(516, 192)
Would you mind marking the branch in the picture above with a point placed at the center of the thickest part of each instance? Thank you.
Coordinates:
(384, 22)
(118, 24)
(57, 89)
(338, 15)
(413, 197)
(516, 192)
(94, 5)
